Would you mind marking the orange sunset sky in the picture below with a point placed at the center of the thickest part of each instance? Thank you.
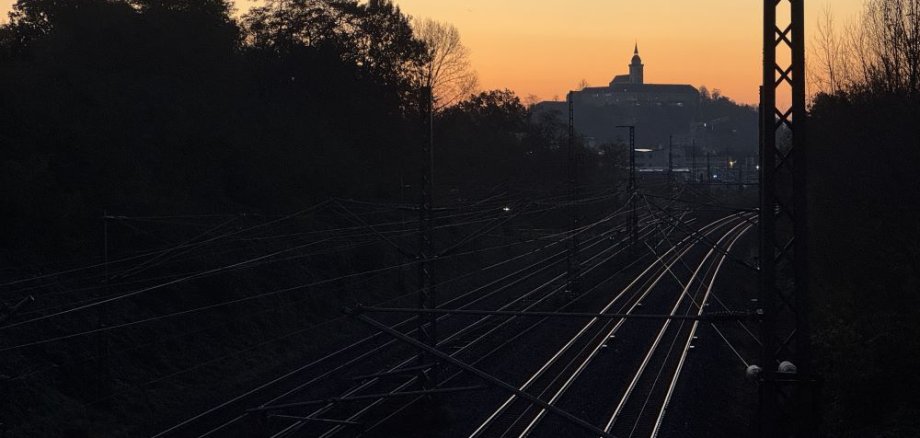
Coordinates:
(546, 47)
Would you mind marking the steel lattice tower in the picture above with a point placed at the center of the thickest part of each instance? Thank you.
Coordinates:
(787, 396)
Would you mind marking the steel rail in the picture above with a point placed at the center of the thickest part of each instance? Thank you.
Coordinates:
(507, 342)
(711, 273)
(664, 269)
(238, 398)
(680, 366)
(661, 333)
(488, 378)
(340, 351)
(568, 345)
(464, 330)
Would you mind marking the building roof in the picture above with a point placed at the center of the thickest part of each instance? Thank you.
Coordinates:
(594, 90)
(550, 105)
(654, 88)
(617, 87)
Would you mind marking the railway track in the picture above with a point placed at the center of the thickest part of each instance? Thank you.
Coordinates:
(634, 392)
(494, 340)
(367, 354)
(471, 341)
(584, 354)
(642, 407)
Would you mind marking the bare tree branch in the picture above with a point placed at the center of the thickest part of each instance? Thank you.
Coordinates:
(449, 72)
(880, 51)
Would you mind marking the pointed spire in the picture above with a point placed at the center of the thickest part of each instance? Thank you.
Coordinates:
(636, 52)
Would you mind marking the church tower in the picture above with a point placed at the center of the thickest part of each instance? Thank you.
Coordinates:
(636, 74)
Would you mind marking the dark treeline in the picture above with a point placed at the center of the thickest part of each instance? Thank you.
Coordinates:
(728, 128)
(140, 106)
(176, 110)
(173, 107)
(865, 238)
(864, 140)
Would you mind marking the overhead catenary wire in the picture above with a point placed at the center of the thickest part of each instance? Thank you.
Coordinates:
(213, 409)
(712, 273)
(233, 232)
(547, 296)
(99, 265)
(714, 296)
(294, 333)
(329, 250)
(646, 286)
(192, 276)
(443, 282)
(550, 206)
(583, 273)
(199, 309)
(154, 287)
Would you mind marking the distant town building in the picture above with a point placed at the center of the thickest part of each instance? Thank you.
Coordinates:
(657, 110)
(631, 89)
(697, 123)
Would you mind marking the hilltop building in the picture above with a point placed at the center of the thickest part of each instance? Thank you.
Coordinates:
(631, 89)
(658, 110)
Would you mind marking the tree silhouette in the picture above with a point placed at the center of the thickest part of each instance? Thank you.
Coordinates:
(173, 107)
(447, 68)
(862, 153)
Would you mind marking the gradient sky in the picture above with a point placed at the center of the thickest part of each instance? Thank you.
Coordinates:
(546, 47)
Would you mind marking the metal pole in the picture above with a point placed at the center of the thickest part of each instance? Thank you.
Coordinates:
(693, 160)
(573, 263)
(633, 189)
(401, 272)
(103, 371)
(708, 167)
(427, 324)
(634, 206)
(671, 162)
(787, 390)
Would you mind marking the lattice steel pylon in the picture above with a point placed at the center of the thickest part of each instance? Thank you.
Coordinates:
(574, 264)
(427, 323)
(787, 395)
